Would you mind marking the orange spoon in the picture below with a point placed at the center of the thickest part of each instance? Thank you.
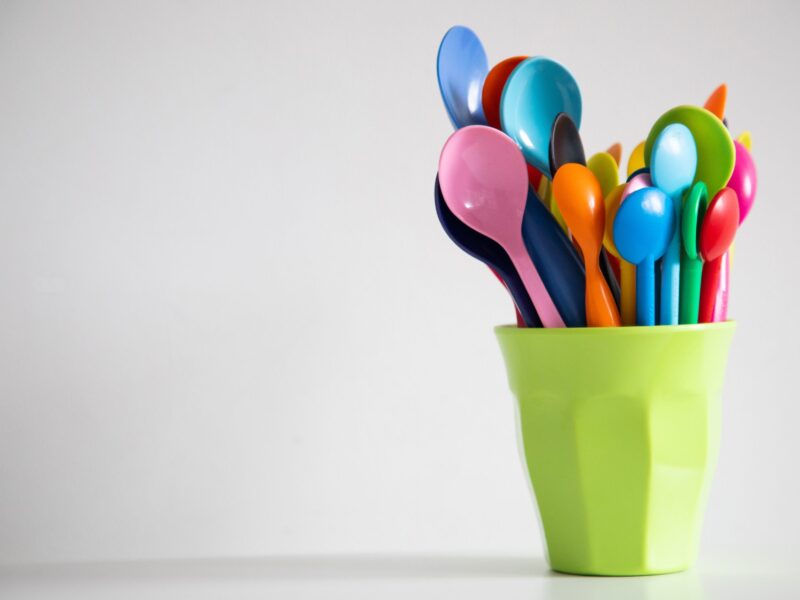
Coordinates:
(615, 150)
(580, 199)
(716, 101)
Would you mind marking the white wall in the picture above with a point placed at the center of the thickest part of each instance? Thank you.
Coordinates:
(229, 321)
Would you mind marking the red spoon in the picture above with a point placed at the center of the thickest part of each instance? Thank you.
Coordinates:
(716, 235)
(490, 99)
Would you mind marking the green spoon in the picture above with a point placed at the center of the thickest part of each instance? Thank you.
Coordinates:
(715, 151)
(694, 209)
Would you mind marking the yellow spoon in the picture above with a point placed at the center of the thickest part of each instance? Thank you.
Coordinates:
(627, 271)
(636, 159)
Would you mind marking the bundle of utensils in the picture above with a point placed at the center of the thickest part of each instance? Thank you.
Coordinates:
(573, 244)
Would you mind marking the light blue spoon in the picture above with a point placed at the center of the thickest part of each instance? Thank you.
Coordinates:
(535, 93)
(673, 164)
(461, 68)
(643, 229)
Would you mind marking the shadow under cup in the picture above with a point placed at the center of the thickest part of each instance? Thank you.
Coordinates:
(620, 428)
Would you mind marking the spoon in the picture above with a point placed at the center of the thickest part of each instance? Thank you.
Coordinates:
(673, 164)
(746, 140)
(636, 159)
(615, 150)
(461, 67)
(716, 101)
(716, 234)
(556, 259)
(566, 147)
(493, 88)
(715, 151)
(605, 168)
(536, 91)
(485, 183)
(565, 143)
(489, 252)
(493, 91)
(642, 231)
(744, 182)
(627, 275)
(694, 209)
(580, 199)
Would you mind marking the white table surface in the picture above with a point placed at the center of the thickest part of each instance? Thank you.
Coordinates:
(376, 577)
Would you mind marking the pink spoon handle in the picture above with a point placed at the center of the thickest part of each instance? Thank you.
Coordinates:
(540, 297)
(721, 302)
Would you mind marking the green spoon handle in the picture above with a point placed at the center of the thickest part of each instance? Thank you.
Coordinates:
(691, 278)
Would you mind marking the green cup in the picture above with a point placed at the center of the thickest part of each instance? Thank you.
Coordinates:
(620, 428)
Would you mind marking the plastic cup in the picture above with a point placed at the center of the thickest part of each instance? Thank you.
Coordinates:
(620, 430)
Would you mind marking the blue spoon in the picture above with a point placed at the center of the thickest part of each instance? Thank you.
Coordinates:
(643, 229)
(535, 93)
(488, 252)
(461, 67)
(673, 164)
(556, 260)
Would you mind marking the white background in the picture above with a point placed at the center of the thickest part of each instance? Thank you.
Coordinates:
(230, 324)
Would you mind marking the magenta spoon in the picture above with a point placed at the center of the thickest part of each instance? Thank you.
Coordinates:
(484, 181)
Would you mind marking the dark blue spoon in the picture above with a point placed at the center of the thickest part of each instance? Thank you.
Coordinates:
(556, 260)
(489, 252)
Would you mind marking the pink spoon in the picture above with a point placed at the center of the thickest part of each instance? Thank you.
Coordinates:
(484, 181)
(744, 182)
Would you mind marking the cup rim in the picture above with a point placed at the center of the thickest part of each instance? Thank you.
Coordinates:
(626, 331)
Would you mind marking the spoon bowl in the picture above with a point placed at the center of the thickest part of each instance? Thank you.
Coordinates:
(484, 181)
(461, 67)
(493, 88)
(643, 228)
(715, 151)
(565, 144)
(535, 93)
(716, 235)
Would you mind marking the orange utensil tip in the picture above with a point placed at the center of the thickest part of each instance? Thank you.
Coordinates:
(493, 88)
(580, 200)
(615, 150)
(716, 101)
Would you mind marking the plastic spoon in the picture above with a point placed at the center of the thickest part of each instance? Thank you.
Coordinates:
(716, 101)
(566, 147)
(615, 150)
(715, 152)
(565, 144)
(489, 252)
(580, 199)
(485, 183)
(636, 159)
(694, 209)
(627, 276)
(461, 67)
(556, 259)
(605, 168)
(673, 164)
(716, 234)
(493, 88)
(493, 91)
(744, 182)
(642, 230)
(536, 91)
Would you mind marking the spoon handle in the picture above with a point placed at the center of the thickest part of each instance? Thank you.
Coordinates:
(540, 297)
(671, 274)
(646, 292)
(627, 276)
(691, 276)
(721, 303)
(601, 309)
(708, 289)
